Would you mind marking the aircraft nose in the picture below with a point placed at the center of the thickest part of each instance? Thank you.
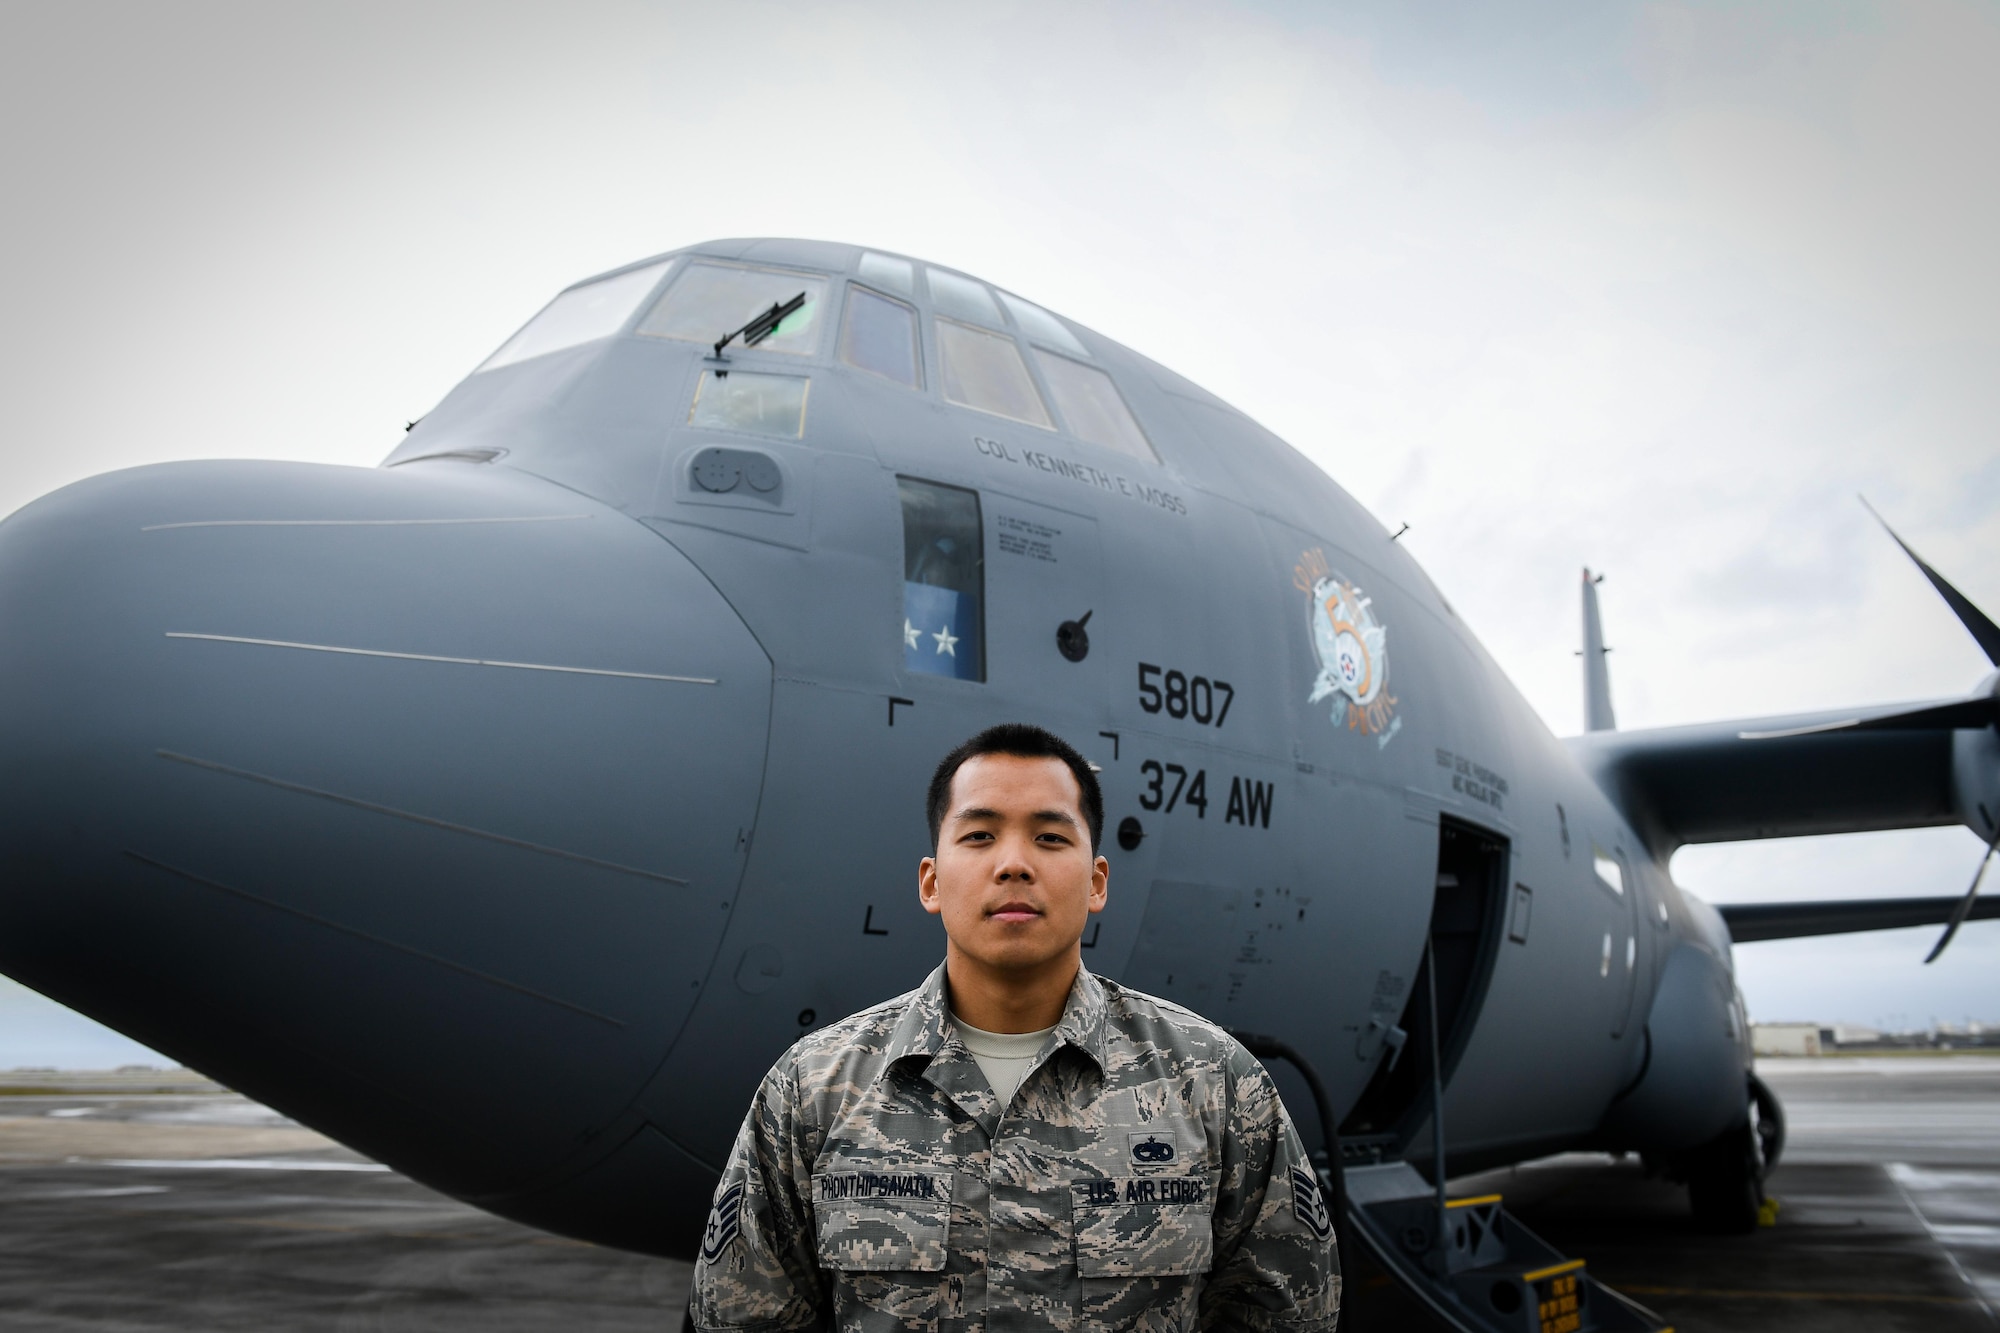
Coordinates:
(412, 802)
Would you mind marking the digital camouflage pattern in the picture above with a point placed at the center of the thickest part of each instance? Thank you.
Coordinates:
(1144, 1177)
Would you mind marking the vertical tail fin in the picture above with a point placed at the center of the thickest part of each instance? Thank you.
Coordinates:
(1596, 672)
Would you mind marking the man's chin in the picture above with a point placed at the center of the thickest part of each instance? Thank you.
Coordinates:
(1012, 953)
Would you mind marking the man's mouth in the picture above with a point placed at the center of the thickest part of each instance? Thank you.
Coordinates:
(1014, 913)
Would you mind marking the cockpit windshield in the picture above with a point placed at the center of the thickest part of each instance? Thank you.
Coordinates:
(580, 315)
(1091, 406)
(1041, 326)
(962, 298)
(711, 298)
(984, 371)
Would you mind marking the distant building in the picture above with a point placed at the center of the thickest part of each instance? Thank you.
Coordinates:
(1796, 1039)
(1788, 1038)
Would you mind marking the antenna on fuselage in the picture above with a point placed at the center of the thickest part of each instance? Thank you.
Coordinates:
(1596, 671)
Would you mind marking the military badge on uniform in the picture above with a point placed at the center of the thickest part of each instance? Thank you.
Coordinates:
(1151, 1150)
(725, 1220)
(1310, 1204)
(1352, 647)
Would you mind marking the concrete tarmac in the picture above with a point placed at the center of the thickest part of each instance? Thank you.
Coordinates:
(1888, 1209)
(138, 1202)
(127, 1206)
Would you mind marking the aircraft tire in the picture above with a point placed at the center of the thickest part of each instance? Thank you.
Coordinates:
(1726, 1181)
(1770, 1125)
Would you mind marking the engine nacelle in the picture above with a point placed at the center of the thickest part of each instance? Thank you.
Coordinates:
(1975, 780)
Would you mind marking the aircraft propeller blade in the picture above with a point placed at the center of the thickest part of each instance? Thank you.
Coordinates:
(1974, 620)
(1964, 908)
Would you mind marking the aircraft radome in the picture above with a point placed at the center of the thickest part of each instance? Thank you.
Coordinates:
(505, 810)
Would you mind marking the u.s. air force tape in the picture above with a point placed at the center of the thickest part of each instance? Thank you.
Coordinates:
(725, 1220)
(1140, 1191)
(1310, 1204)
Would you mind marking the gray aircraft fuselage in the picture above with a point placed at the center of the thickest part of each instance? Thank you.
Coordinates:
(506, 810)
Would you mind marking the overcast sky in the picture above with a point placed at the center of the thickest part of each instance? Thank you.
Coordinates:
(1653, 288)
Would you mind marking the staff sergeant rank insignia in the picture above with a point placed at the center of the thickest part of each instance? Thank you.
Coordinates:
(725, 1220)
(1310, 1204)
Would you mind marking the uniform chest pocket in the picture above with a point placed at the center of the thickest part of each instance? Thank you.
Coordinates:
(882, 1221)
(1143, 1226)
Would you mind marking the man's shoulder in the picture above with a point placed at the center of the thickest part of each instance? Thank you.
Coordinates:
(861, 1038)
(1171, 1029)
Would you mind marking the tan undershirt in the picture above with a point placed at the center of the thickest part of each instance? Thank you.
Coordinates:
(1004, 1057)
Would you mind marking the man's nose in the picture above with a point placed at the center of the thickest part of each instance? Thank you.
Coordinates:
(1014, 864)
(409, 801)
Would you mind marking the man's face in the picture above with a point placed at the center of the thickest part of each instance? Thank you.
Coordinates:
(1014, 878)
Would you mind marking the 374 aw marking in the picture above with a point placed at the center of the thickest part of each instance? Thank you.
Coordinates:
(1249, 803)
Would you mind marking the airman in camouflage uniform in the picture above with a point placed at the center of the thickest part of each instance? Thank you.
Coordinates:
(1141, 1176)
(1144, 1177)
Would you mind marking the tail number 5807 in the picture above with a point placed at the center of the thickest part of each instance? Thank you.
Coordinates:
(1182, 696)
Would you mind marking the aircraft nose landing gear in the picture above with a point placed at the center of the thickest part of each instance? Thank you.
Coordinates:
(1725, 1177)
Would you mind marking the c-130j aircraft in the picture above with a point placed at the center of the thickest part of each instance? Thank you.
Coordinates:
(505, 810)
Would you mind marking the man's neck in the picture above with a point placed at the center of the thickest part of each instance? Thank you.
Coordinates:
(1009, 1001)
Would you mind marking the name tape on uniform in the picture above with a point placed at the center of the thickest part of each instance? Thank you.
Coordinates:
(833, 1186)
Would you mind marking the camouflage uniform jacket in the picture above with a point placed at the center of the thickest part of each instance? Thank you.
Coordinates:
(1144, 1177)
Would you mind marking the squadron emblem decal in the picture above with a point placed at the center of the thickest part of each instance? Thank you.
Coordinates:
(1352, 647)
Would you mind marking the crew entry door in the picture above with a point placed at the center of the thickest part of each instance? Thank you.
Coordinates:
(1467, 916)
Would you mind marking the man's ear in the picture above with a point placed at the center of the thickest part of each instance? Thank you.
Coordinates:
(1100, 884)
(927, 885)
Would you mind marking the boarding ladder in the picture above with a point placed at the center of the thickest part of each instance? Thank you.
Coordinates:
(1468, 1262)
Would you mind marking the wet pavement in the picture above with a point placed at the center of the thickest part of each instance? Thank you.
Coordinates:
(124, 1208)
(1888, 1209)
(154, 1204)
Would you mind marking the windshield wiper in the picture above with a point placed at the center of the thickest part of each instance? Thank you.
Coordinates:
(762, 327)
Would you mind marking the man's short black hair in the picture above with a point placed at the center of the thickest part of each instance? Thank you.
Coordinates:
(1027, 742)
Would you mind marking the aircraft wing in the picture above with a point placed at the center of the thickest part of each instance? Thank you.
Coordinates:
(1777, 777)
(1749, 922)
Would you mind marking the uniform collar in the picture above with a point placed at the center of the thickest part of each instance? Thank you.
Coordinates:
(1082, 1023)
(925, 1026)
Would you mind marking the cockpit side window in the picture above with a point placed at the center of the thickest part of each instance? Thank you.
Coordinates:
(962, 298)
(888, 273)
(984, 371)
(743, 400)
(1091, 406)
(1041, 326)
(944, 577)
(711, 298)
(580, 315)
(880, 335)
